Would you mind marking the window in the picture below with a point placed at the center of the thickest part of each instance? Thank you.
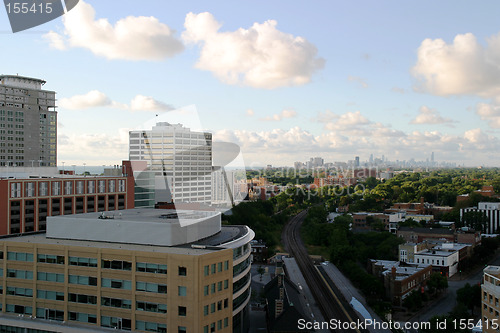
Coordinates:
(115, 322)
(150, 327)
(20, 256)
(151, 287)
(182, 271)
(205, 310)
(212, 308)
(20, 274)
(219, 324)
(206, 270)
(50, 259)
(117, 264)
(182, 291)
(151, 307)
(151, 268)
(83, 280)
(26, 292)
(212, 288)
(52, 295)
(116, 284)
(85, 262)
(226, 284)
(116, 302)
(205, 290)
(219, 305)
(50, 314)
(182, 311)
(219, 267)
(226, 322)
(226, 265)
(81, 298)
(82, 317)
(219, 286)
(213, 268)
(181, 329)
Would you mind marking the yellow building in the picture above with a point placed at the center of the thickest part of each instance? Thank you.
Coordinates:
(490, 307)
(198, 280)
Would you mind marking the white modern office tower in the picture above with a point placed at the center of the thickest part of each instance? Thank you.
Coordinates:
(28, 123)
(492, 212)
(181, 160)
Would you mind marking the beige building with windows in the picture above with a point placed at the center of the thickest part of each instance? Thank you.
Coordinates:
(490, 307)
(127, 275)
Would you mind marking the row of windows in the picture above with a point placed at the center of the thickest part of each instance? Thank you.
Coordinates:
(430, 261)
(88, 299)
(219, 306)
(92, 262)
(225, 322)
(70, 187)
(212, 269)
(211, 287)
(92, 281)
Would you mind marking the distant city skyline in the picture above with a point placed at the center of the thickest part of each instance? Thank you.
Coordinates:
(372, 78)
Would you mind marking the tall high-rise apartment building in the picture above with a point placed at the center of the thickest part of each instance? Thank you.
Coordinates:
(28, 122)
(181, 160)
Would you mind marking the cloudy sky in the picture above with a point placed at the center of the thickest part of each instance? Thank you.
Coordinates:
(285, 80)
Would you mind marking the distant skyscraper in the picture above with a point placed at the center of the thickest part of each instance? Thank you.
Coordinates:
(180, 158)
(318, 162)
(432, 157)
(28, 122)
(371, 158)
(356, 161)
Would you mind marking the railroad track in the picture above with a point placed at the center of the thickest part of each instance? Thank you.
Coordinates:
(330, 302)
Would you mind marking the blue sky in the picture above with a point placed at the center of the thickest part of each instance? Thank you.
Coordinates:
(286, 80)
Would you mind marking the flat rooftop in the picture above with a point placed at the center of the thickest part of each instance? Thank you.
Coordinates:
(210, 244)
(147, 215)
(143, 226)
(402, 271)
(40, 238)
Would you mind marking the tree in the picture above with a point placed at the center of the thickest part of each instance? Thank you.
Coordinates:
(470, 296)
(437, 282)
(261, 271)
(475, 220)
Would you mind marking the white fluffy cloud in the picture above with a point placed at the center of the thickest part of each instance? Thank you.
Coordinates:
(131, 38)
(93, 98)
(148, 103)
(260, 56)
(280, 116)
(264, 146)
(97, 98)
(462, 67)
(250, 112)
(427, 116)
(346, 121)
(490, 113)
(93, 149)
